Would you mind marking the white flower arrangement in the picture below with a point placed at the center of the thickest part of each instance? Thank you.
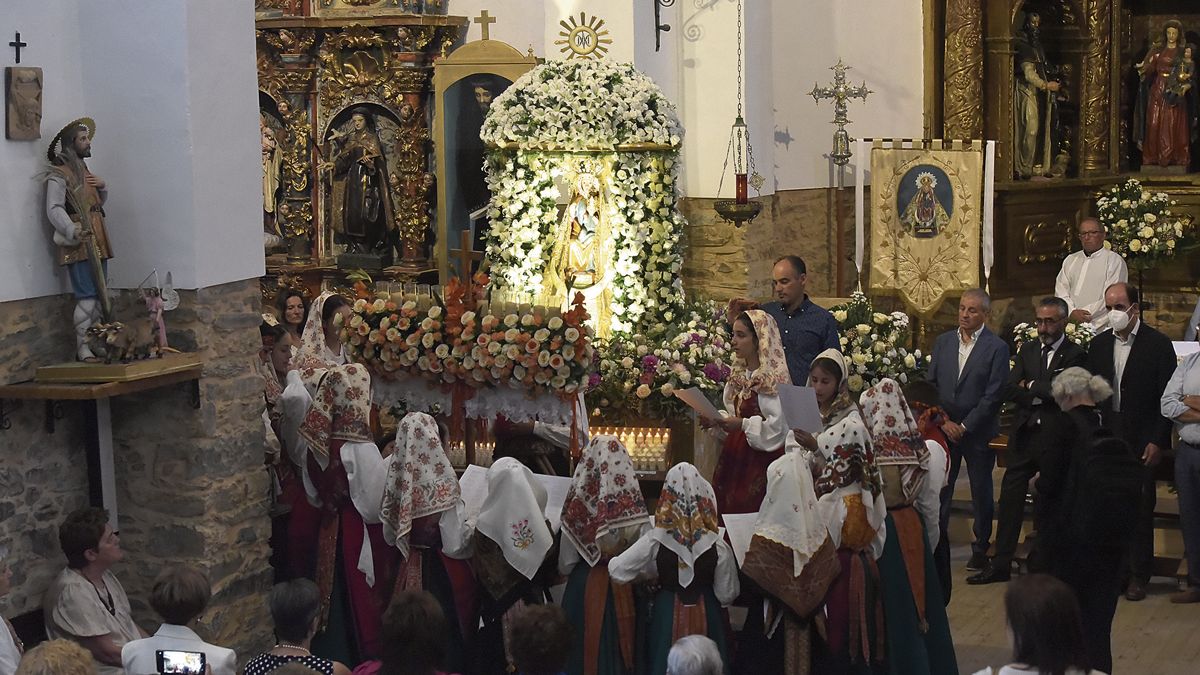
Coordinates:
(1141, 225)
(563, 106)
(874, 344)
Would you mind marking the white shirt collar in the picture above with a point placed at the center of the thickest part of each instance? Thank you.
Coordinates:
(1132, 332)
(179, 632)
(974, 336)
(1057, 345)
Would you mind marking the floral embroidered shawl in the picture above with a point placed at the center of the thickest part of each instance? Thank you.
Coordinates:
(513, 516)
(789, 515)
(341, 410)
(894, 435)
(772, 366)
(604, 497)
(420, 479)
(312, 356)
(686, 519)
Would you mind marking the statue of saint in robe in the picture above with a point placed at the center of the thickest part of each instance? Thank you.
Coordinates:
(358, 162)
(581, 260)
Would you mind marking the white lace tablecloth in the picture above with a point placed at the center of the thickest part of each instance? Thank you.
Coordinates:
(420, 395)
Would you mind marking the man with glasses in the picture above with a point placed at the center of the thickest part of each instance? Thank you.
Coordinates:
(1034, 426)
(1086, 273)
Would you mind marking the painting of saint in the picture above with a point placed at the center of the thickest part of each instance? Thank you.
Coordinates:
(925, 201)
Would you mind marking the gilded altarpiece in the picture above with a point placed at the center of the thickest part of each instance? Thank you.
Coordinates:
(319, 75)
(1080, 141)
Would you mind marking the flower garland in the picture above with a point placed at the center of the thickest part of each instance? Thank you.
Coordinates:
(533, 350)
(581, 105)
(1141, 226)
(561, 107)
(874, 344)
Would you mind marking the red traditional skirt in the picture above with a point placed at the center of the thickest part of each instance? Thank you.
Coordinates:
(740, 479)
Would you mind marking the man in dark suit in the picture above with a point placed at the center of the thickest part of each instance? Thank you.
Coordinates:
(1138, 361)
(970, 368)
(1029, 387)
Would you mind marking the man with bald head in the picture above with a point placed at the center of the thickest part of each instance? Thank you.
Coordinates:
(1138, 361)
(1086, 273)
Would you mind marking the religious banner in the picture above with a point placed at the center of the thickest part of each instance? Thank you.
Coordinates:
(925, 221)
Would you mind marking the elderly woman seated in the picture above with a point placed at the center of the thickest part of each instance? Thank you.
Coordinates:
(86, 603)
(295, 609)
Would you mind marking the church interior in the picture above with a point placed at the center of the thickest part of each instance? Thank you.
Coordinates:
(539, 222)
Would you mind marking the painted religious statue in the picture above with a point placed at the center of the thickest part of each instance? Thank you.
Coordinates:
(75, 207)
(1035, 103)
(367, 222)
(1165, 118)
(582, 256)
(272, 162)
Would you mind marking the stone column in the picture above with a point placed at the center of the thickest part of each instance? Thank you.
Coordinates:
(963, 90)
(1097, 89)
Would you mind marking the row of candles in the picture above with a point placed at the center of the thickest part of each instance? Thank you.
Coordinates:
(648, 447)
(483, 453)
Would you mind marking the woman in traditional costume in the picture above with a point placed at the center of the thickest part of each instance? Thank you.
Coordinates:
(694, 568)
(514, 558)
(319, 350)
(348, 472)
(849, 495)
(916, 628)
(424, 518)
(756, 432)
(793, 562)
(604, 514)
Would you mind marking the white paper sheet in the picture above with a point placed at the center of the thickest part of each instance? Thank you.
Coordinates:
(475, 491)
(698, 401)
(800, 408)
(740, 527)
(1182, 349)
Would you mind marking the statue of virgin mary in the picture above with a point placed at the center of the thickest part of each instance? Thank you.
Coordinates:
(582, 257)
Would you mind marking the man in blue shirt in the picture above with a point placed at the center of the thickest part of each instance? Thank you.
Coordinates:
(806, 329)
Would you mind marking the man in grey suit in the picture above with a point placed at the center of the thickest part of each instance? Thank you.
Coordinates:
(970, 369)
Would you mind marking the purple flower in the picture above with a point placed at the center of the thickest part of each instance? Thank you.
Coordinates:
(716, 372)
(649, 362)
(593, 381)
(693, 339)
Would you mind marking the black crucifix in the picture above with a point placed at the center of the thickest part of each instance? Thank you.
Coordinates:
(17, 44)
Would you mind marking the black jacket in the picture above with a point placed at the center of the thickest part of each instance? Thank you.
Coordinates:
(1149, 367)
(1026, 368)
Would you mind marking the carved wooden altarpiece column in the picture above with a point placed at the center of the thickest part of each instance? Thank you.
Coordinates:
(322, 62)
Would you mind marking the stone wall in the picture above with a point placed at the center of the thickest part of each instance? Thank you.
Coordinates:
(191, 487)
(43, 476)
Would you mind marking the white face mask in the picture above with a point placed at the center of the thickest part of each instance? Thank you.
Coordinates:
(1118, 320)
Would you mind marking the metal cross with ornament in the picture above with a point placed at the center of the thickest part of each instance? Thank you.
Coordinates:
(840, 92)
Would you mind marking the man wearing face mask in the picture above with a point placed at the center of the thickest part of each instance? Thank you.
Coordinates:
(1139, 361)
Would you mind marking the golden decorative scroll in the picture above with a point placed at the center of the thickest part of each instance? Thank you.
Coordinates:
(925, 222)
(1094, 111)
(963, 88)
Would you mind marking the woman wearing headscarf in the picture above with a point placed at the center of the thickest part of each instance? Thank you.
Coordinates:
(916, 628)
(692, 564)
(424, 518)
(793, 562)
(348, 472)
(849, 494)
(514, 558)
(319, 350)
(755, 429)
(604, 514)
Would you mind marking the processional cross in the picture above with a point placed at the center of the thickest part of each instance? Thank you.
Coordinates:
(17, 44)
(840, 92)
(485, 20)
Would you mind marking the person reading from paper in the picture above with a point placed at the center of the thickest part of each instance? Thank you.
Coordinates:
(754, 427)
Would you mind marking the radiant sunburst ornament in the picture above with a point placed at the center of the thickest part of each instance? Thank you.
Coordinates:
(586, 39)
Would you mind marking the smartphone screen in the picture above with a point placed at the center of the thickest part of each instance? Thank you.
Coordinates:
(172, 662)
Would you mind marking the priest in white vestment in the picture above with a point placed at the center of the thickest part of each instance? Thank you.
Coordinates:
(1086, 273)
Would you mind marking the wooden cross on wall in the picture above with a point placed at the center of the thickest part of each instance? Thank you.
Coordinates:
(17, 44)
(485, 21)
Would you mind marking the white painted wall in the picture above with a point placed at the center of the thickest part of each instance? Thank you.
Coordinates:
(520, 23)
(173, 89)
(51, 28)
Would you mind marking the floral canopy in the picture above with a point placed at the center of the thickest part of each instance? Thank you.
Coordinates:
(563, 119)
